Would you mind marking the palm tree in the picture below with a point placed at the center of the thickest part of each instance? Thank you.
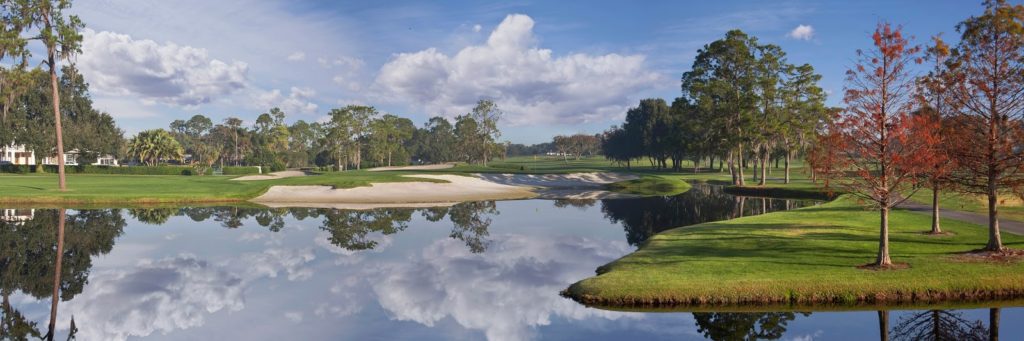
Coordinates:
(151, 146)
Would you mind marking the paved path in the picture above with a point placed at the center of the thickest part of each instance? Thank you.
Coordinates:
(1011, 226)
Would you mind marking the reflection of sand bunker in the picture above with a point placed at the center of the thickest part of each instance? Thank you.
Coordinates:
(457, 189)
(271, 176)
(423, 167)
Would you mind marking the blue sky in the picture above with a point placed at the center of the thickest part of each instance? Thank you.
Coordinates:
(555, 67)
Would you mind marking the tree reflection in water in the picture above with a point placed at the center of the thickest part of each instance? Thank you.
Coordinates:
(744, 326)
(354, 229)
(645, 217)
(938, 325)
(49, 256)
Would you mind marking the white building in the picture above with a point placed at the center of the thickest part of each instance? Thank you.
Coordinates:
(17, 155)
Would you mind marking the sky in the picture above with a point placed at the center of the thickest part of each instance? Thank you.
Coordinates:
(553, 67)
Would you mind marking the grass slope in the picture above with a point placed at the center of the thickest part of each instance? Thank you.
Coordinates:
(801, 257)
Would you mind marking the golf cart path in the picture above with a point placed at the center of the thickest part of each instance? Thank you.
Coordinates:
(1011, 226)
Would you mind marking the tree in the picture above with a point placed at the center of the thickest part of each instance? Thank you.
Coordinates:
(152, 146)
(387, 137)
(803, 111)
(721, 83)
(345, 133)
(439, 144)
(486, 114)
(59, 34)
(990, 90)
(880, 146)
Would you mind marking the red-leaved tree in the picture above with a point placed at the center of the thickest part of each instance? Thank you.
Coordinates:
(880, 146)
(990, 90)
(933, 94)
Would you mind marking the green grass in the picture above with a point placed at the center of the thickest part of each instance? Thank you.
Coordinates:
(949, 200)
(651, 185)
(151, 189)
(95, 189)
(805, 256)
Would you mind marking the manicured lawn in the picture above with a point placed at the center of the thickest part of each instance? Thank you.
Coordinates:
(803, 256)
(87, 188)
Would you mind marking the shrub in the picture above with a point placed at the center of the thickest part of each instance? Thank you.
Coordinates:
(90, 169)
(241, 170)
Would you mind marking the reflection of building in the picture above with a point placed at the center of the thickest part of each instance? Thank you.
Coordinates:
(17, 215)
(18, 155)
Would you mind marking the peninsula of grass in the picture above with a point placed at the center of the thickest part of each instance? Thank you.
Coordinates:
(154, 189)
(651, 185)
(804, 257)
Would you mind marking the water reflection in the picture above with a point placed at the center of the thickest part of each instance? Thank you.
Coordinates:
(49, 255)
(645, 217)
(744, 326)
(489, 269)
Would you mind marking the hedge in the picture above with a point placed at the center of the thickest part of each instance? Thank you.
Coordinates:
(241, 170)
(90, 169)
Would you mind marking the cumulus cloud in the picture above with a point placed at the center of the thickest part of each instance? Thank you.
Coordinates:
(506, 293)
(530, 84)
(477, 28)
(157, 296)
(297, 56)
(802, 32)
(298, 100)
(117, 64)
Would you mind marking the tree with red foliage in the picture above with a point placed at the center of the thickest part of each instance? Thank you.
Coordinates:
(936, 103)
(880, 147)
(990, 90)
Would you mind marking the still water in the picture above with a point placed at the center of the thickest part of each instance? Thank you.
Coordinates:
(480, 270)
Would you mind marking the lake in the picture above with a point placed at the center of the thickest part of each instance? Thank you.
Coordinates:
(478, 270)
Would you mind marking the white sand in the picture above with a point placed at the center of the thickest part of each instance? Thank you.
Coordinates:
(574, 180)
(356, 207)
(457, 189)
(271, 176)
(423, 167)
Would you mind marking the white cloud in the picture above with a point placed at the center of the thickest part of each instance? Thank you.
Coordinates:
(802, 32)
(117, 64)
(477, 28)
(298, 100)
(297, 56)
(156, 296)
(530, 84)
(506, 292)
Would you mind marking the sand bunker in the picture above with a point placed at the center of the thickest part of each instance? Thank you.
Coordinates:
(423, 167)
(457, 189)
(271, 176)
(574, 180)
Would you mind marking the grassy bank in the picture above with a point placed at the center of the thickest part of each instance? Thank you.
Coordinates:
(98, 189)
(151, 189)
(804, 257)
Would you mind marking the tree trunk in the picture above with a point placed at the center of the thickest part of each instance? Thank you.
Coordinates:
(741, 164)
(993, 324)
(61, 181)
(57, 272)
(789, 154)
(995, 242)
(936, 229)
(732, 168)
(883, 240)
(764, 167)
(883, 325)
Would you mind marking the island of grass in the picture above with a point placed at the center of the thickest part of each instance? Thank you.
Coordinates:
(805, 257)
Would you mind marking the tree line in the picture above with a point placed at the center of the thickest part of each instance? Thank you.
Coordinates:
(742, 103)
